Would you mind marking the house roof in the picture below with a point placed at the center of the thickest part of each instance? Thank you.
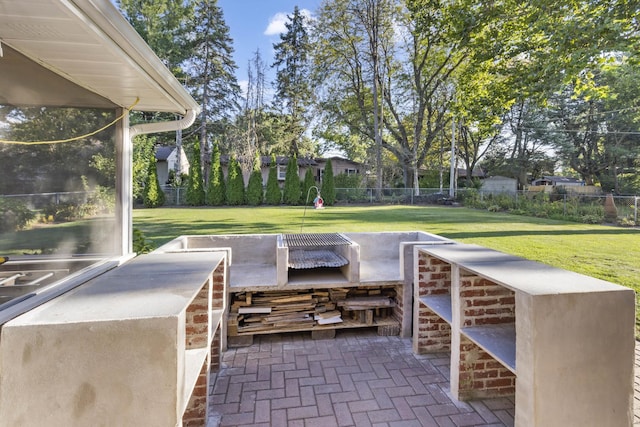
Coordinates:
(81, 53)
(338, 158)
(477, 172)
(559, 180)
(163, 153)
(280, 160)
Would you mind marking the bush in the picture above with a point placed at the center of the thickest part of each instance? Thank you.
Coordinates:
(235, 184)
(627, 221)
(152, 195)
(291, 194)
(328, 185)
(216, 192)
(343, 180)
(195, 187)
(591, 219)
(274, 194)
(255, 192)
(63, 212)
(307, 184)
(14, 215)
(140, 243)
(103, 199)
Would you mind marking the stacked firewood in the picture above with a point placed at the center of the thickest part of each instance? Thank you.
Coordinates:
(282, 310)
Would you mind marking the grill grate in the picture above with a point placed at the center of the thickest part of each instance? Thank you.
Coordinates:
(315, 240)
(303, 259)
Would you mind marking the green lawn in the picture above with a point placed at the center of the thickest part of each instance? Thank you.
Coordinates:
(608, 253)
(605, 252)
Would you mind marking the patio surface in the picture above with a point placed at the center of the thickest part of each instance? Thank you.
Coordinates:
(356, 379)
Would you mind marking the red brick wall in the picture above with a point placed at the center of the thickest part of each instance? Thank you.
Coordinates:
(216, 350)
(398, 311)
(434, 278)
(481, 376)
(484, 302)
(197, 336)
(197, 319)
(195, 414)
(219, 296)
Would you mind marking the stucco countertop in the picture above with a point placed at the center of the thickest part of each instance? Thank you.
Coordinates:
(517, 273)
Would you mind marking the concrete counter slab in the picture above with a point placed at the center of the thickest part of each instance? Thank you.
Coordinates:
(126, 348)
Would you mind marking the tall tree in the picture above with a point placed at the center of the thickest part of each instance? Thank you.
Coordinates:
(164, 25)
(216, 191)
(255, 192)
(378, 68)
(254, 106)
(273, 194)
(143, 150)
(212, 75)
(598, 126)
(235, 183)
(58, 166)
(153, 196)
(195, 186)
(293, 90)
(291, 192)
(328, 184)
(307, 184)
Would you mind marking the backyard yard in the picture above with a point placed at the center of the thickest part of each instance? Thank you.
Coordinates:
(605, 252)
(609, 253)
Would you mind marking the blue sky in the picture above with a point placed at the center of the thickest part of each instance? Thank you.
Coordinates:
(257, 24)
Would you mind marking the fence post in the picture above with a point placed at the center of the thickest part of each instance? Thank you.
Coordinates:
(564, 206)
(635, 211)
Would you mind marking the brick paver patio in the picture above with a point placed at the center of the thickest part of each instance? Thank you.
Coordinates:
(356, 379)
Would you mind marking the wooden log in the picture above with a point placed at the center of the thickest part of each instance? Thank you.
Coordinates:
(256, 310)
(364, 303)
(328, 314)
(369, 317)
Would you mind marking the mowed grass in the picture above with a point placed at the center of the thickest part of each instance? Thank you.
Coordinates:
(608, 253)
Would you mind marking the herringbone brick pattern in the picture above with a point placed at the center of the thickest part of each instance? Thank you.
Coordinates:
(356, 379)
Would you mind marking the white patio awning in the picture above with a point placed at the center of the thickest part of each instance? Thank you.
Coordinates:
(81, 53)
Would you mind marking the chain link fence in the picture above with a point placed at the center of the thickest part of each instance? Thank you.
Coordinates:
(586, 208)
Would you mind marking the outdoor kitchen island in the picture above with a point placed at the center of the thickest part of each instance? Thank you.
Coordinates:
(132, 347)
(315, 282)
(562, 342)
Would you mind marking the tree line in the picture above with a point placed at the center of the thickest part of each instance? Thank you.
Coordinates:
(524, 89)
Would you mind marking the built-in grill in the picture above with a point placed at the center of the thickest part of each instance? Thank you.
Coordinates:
(307, 251)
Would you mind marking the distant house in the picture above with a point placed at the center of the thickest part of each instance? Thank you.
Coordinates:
(558, 181)
(477, 172)
(339, 166)
(167, 160)
(317, 165)
(549, 184)
(499, 185)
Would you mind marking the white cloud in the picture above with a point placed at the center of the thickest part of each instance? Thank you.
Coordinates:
(277, 22)
(244, 85)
